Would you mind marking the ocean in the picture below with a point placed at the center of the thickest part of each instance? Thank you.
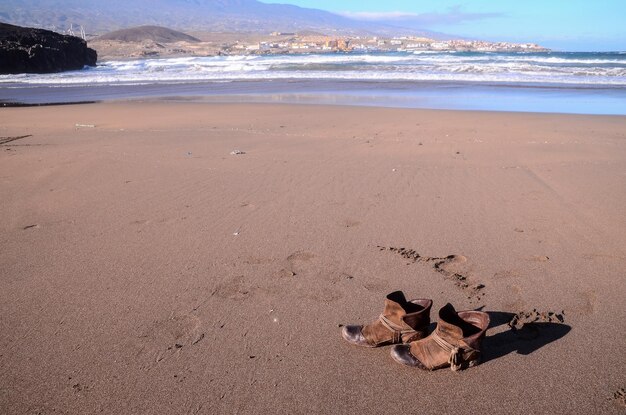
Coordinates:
(565, 82)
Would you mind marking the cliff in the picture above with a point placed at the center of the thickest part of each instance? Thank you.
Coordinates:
(28, 50)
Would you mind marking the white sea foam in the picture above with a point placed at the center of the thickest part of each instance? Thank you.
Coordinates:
(567, 69)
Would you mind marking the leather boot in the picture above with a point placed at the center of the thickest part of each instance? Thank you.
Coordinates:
(402, 321)
(456, 342)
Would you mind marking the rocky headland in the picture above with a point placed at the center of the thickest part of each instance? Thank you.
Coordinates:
(29, 50)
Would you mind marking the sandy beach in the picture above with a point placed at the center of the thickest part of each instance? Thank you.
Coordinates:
(148, 268)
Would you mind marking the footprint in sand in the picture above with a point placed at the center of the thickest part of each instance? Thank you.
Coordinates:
(516, 301)
(452, 264)
(233, 288)
(316, 280)
(586, 303)
(295, 264)
(165, 338)
(506, 274)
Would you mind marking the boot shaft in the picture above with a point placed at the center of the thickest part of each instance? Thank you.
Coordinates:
(456, 342)
(401, 321)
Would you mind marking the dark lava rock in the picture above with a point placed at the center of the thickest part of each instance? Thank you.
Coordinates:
(28, 50)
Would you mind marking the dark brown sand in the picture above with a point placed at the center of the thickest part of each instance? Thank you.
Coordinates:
(145, 269)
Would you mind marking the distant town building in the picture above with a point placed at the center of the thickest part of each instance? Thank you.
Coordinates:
(329, 44)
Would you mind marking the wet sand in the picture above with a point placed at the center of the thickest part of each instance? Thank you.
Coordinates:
(146, 269)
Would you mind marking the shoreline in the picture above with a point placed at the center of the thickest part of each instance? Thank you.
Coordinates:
(422, 95)
(217, 101)
(43, 104)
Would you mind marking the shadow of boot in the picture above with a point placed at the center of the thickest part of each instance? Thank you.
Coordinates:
(523, 340)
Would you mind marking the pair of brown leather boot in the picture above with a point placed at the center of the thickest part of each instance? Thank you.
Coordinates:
(456, 342)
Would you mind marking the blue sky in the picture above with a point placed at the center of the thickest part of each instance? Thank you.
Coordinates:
(558, 24)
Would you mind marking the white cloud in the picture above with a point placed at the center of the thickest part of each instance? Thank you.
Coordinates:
(378, 15)
(454, 15)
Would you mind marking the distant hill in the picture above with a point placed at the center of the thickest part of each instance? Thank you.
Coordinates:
(99, 16)
(154, 33)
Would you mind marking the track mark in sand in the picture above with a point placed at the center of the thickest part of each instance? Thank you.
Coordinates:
(619, 397)
(77, 388)
(247, 205)
(300, 256)
(140, 222)
(451, 267)
(506, 274)
(376, 286)
(285, 273)
(349, 223)
(5, 140)
(345, 276)
(253, 260)
(325, 295)
(540, 258)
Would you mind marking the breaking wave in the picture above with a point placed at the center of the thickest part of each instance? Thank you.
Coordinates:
(595, 69)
